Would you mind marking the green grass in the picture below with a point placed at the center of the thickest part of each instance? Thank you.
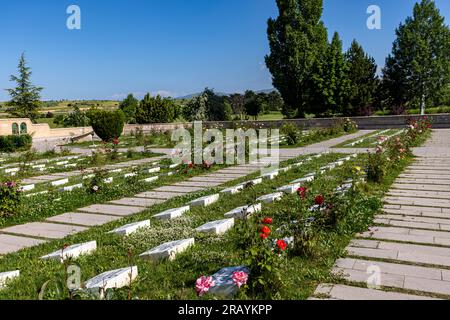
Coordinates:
(315, 136)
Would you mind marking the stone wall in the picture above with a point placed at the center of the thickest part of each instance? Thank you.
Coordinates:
(41, 130)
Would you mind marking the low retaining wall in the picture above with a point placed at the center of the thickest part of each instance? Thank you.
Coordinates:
(365, 123)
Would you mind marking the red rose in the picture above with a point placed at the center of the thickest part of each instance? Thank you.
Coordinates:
(263, 236)
(319, 200)
(265, 230)
(191, 165)
(282, 245)
(268, 220)
(302, 192)
(116, 142)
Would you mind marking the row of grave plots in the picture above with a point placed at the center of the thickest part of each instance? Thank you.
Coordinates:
(69, 164)
(174, 239)
(372, 139)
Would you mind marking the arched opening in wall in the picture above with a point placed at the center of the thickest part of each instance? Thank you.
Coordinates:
(15, 129)
(23, 128)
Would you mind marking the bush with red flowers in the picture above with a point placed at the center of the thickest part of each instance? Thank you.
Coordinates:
(10, 198)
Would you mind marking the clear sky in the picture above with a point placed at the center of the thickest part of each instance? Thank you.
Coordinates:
(172, 47)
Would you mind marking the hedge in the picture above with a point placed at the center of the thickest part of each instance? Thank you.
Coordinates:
(15, 143)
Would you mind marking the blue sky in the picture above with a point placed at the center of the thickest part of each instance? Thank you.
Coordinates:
(172, 47)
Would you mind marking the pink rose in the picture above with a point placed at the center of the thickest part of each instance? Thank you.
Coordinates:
(240, 278)
(203, 284)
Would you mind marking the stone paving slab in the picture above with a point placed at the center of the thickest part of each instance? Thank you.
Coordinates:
(113, 210)
(412, 224)
(420, 194)
(138, 202)
(398, 276)
(44, 230)
(158, 195)
(212, 179)
(401, 252)
(416, 209)
(10, 243)
(424, 187)
(437, 177)
(178, 189)
(423, 181)
(342, 292)
(423, 202)
(83, 219)
(415, 218)
(198, 184)
(409, 235)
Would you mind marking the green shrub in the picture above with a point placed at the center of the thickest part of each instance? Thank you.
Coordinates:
(10, 195)
(155, 110)
(15, 143)
(376, 166)
(108, 125)
(291, 132)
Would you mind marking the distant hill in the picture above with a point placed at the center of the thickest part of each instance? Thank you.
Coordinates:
(193, 95)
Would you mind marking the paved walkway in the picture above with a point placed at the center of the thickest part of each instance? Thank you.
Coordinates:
(407, 254)
(15, 238)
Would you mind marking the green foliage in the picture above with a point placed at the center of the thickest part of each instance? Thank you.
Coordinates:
(97, 183)
(419, 67)
(10, 195)
(155, 110)
(253, 104)
(195, 110)
(291, 132)
(129, 106)
(77, 118)
(25, 97)
(15, 143)
(108, 125)
(363, 82)
(376, 167)
(298, 41)
(331, 84)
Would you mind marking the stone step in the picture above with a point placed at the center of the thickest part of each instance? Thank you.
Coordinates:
(423, 202)
(418, 209)
(409, 235)
(343, 292)
(438, 177)
(412, 224)
(400, 252)
(422, 187)
(419, 194)
(384, 274)
(412, 218)
(423, 181)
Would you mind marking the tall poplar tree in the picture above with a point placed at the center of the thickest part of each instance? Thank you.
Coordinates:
(298, 41)
(363, 81)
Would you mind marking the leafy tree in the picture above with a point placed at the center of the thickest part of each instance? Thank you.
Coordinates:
(237, 104)
(274, 101)
(298, 40)
(77, 118)
(362, 74)
(253, 104)
(108, 125)
(216, 108)
(195, 110)
(419, 67)
(129, 107)
(25, 96)
(155, 110)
